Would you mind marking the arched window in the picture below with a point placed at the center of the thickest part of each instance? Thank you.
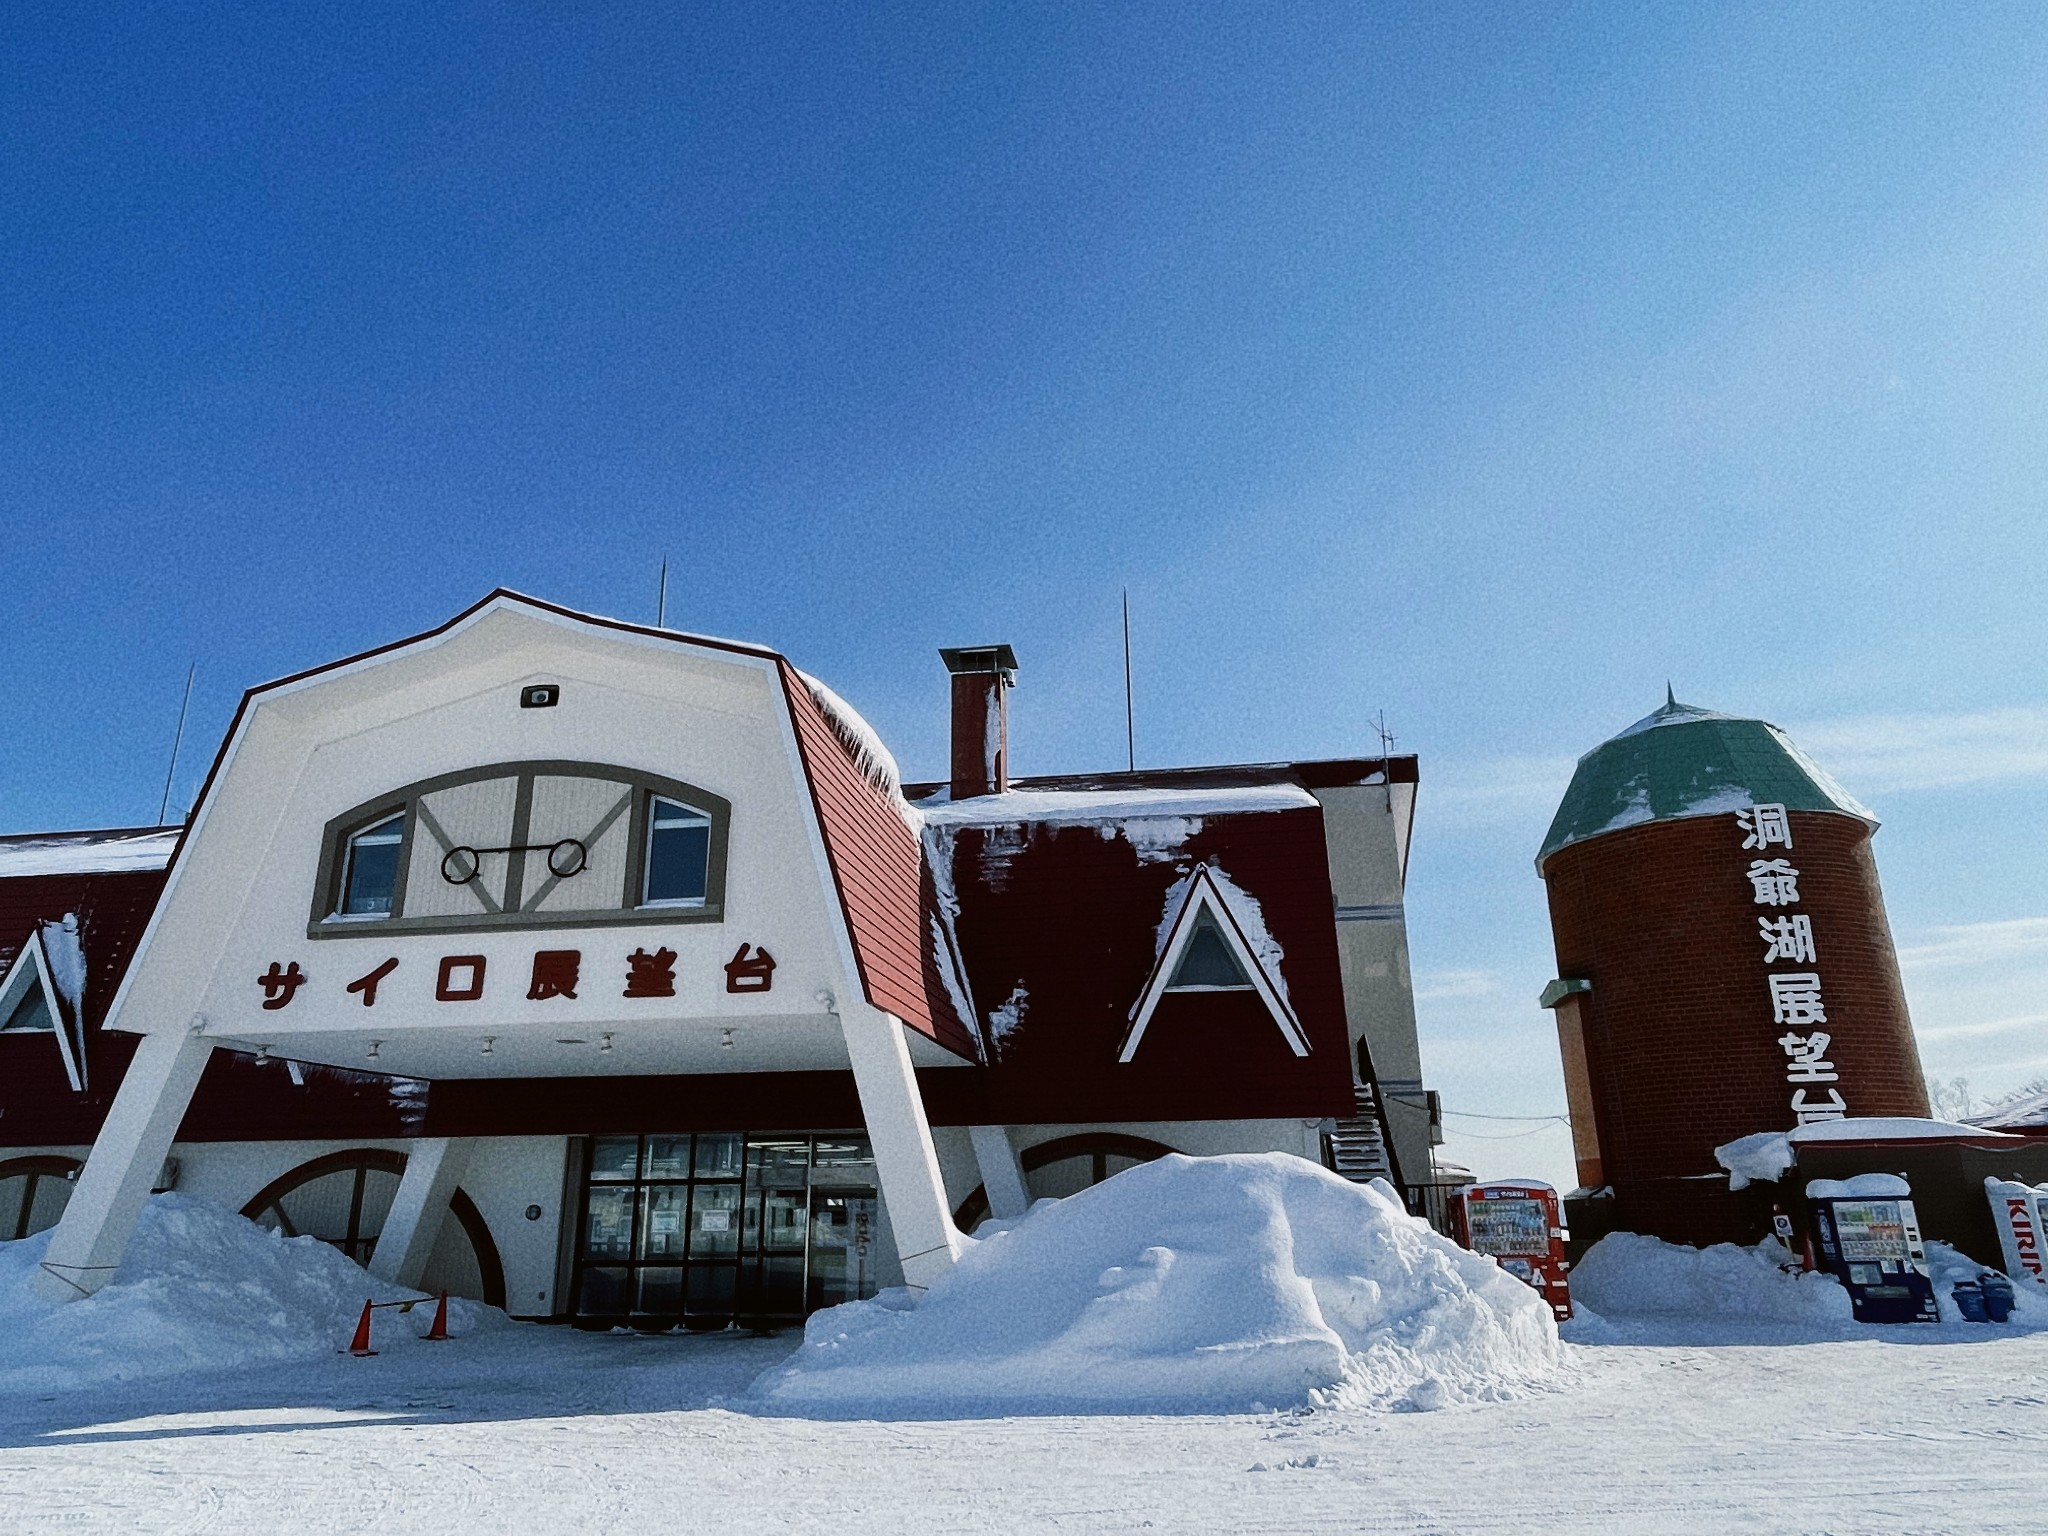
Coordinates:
(524, 845)
(33, 1194)
(1066, 1166)
(343, 1198)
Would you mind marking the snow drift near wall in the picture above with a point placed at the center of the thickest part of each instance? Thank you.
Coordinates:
(202, 1289)
(1635, 1289)
(1185, 1285)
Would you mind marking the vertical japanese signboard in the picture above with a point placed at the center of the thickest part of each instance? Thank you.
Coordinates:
(1797, 1005)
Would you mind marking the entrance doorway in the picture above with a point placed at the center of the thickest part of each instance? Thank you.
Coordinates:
(719, 1228)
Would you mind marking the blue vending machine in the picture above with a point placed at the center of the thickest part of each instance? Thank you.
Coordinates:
(1866, 1235)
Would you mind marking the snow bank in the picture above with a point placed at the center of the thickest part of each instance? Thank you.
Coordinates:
(1629, 1275)
(202, 1289)
(1186, 1285)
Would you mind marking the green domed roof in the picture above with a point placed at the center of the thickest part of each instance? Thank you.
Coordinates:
(1684, 761)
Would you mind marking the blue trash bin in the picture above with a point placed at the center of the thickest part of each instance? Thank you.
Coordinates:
(1969, 1299)
(1998, 1296)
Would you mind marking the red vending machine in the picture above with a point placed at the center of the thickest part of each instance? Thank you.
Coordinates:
(1521, 1225)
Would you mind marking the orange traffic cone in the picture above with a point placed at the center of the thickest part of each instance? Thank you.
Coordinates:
(359, 1346)
(440, 1329)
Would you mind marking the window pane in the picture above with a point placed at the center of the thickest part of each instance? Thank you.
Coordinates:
(609, 1232)
(777, 1286)
(662, 1229)
(718, 1157)
(779, 1162)
(842, 1248)
(661, 1291)
(678, 853)
(604, 1292)
(372, 873)
(14, 1193)
(614, 1157)
(1207, 961)
(712, 1287)
(668, 1157)
(715, 1220)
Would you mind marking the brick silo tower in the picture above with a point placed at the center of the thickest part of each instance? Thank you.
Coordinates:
(1724, 963)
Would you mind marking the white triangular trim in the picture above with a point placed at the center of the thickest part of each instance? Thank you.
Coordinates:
(1203, 895)
(32, 968)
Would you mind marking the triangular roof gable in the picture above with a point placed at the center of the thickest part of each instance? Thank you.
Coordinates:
(811, 750)
(32, 968)
(1203, 895)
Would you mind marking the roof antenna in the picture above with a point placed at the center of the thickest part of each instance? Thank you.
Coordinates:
(164, 809)
(661, 598)
(1387, 740)
(1130, 719)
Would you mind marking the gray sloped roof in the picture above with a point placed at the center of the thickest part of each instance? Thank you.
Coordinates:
(1685, 761)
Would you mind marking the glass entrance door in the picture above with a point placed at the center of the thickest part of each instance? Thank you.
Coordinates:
(710, 1230)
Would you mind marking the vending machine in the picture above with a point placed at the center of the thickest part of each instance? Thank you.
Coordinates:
(1867, 1236)
(2017, 1211)
(1521, 1226)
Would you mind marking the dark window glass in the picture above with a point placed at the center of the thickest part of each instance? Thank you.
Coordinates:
(719, 1156)
(661, 1228)
(703, 1231)
(1207, 964)
(616, 1157)
(608, 1234)
(371, 875)
(678, 854)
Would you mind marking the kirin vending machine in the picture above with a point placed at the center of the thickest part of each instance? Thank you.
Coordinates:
(2016, 1211)
(1867, 1236)
(1521, 1226)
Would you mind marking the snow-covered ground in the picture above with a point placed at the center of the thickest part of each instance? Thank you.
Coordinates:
(1715, 1394)
(546, 1430)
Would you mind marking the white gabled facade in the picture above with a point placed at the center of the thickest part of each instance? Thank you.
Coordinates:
(632, 714)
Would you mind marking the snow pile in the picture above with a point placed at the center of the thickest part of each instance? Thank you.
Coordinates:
(1628, 1275)
(1186, 1285)
(202, 1289)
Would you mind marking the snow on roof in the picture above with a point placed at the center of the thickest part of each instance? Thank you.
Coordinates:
(115, 850)
(2029, 1111)
(861, 739)
(1767, 1154)
(1864, 1186)
(1082, 807)
(1683, 761)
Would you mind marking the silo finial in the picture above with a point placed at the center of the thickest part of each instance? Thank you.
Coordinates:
(1670, 698)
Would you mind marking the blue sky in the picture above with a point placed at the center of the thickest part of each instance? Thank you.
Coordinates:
(1487, 368)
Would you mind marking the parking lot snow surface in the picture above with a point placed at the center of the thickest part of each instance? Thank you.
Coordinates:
(539, 1429)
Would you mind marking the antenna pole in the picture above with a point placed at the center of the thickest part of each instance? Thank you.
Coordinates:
(1130, 719)
(177, 740)
(661, 598)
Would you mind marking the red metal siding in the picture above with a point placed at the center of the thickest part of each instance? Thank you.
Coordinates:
(1072, 917)
(879, 869)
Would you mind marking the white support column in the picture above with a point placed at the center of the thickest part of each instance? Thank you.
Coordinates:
(93, 1234)
(1002, 1175)
(906, 1162)
(433, 1167)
